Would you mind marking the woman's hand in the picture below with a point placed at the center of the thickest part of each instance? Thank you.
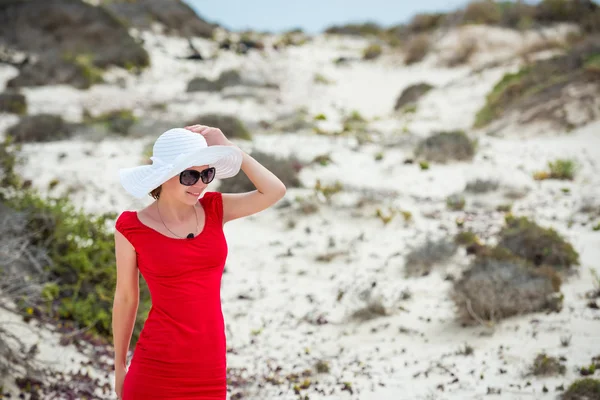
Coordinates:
(120, 372)
(213, 136)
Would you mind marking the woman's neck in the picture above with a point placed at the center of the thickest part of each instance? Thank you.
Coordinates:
(174, 210)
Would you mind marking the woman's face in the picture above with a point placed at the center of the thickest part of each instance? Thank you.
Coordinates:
(186, 194)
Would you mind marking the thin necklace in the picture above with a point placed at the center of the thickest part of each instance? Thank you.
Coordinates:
(190, 235)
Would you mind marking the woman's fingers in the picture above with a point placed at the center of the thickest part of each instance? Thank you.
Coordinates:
(198, 128)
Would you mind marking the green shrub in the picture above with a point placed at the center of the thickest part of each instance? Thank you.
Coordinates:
(540, 246)
(8, 161)
(40, 128)
(13, 102)
(455, 202)
(417, 49)
(562, 169)
(321, 79)
(509, 86)
(372, 52)
(581, 389)
(286, 169)
(544, 365)
(446, 146)
(82, 255)
(231, 126)
(466, 238)
(116, 121)
(90, 73)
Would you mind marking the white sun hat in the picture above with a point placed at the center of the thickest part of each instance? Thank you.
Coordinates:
(174, 151)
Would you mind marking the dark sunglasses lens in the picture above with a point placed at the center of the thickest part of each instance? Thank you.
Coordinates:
(208, 175)
(189, 177)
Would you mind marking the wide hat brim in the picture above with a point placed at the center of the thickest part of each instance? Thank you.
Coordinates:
(141, 180)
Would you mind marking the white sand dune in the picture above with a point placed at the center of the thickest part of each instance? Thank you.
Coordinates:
(271, 295)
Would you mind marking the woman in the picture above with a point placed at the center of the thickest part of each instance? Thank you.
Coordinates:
(177, 244)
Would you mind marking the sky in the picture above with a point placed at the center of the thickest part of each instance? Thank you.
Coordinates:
(313, 16)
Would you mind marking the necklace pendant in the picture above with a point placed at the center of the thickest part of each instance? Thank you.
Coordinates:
(190, 236)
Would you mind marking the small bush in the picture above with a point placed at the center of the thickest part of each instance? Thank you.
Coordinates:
(455, 202)
(417, 49)
(366, 29)
(40, 128)
(421, 260)
(446, 146)
(466, 238)
(372, 52)
(412, 94)
(286, 169)
(227, 78)
(559, 169)
(562, 169)
(482, 12)
(231, 126)
(116, 121)
(463, 53)
(492, 289)
(583, 389)
(482, 186)
(544, 365)
(81, 251)
(201, 84)
(422, 23)
(13, 102)
(321, 79)
(540, 246)
(8, 161)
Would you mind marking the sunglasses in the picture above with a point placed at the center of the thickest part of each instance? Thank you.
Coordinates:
(189, 177)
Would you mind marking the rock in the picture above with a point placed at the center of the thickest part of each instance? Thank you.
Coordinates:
(72, 41)
(412, 94)
(13, 102)
(40, 128)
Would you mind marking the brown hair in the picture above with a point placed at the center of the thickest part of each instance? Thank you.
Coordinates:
(156, 193)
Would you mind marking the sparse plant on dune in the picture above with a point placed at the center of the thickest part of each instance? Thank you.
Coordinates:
(545, 365)
(540, 246)
(328, 190)
(559, 169)
(417, 49)
(455, 202)
(411, 94)
(585, 388)
(286, 169)
(372, 52)
(420, 260)
(535, 84)
(40, 128)
(231, 126)
(492, 289)
(446, 146)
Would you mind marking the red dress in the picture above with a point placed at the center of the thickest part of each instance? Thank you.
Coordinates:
(181, 350)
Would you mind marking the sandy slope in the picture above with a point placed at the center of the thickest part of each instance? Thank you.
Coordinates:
(271, 296)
